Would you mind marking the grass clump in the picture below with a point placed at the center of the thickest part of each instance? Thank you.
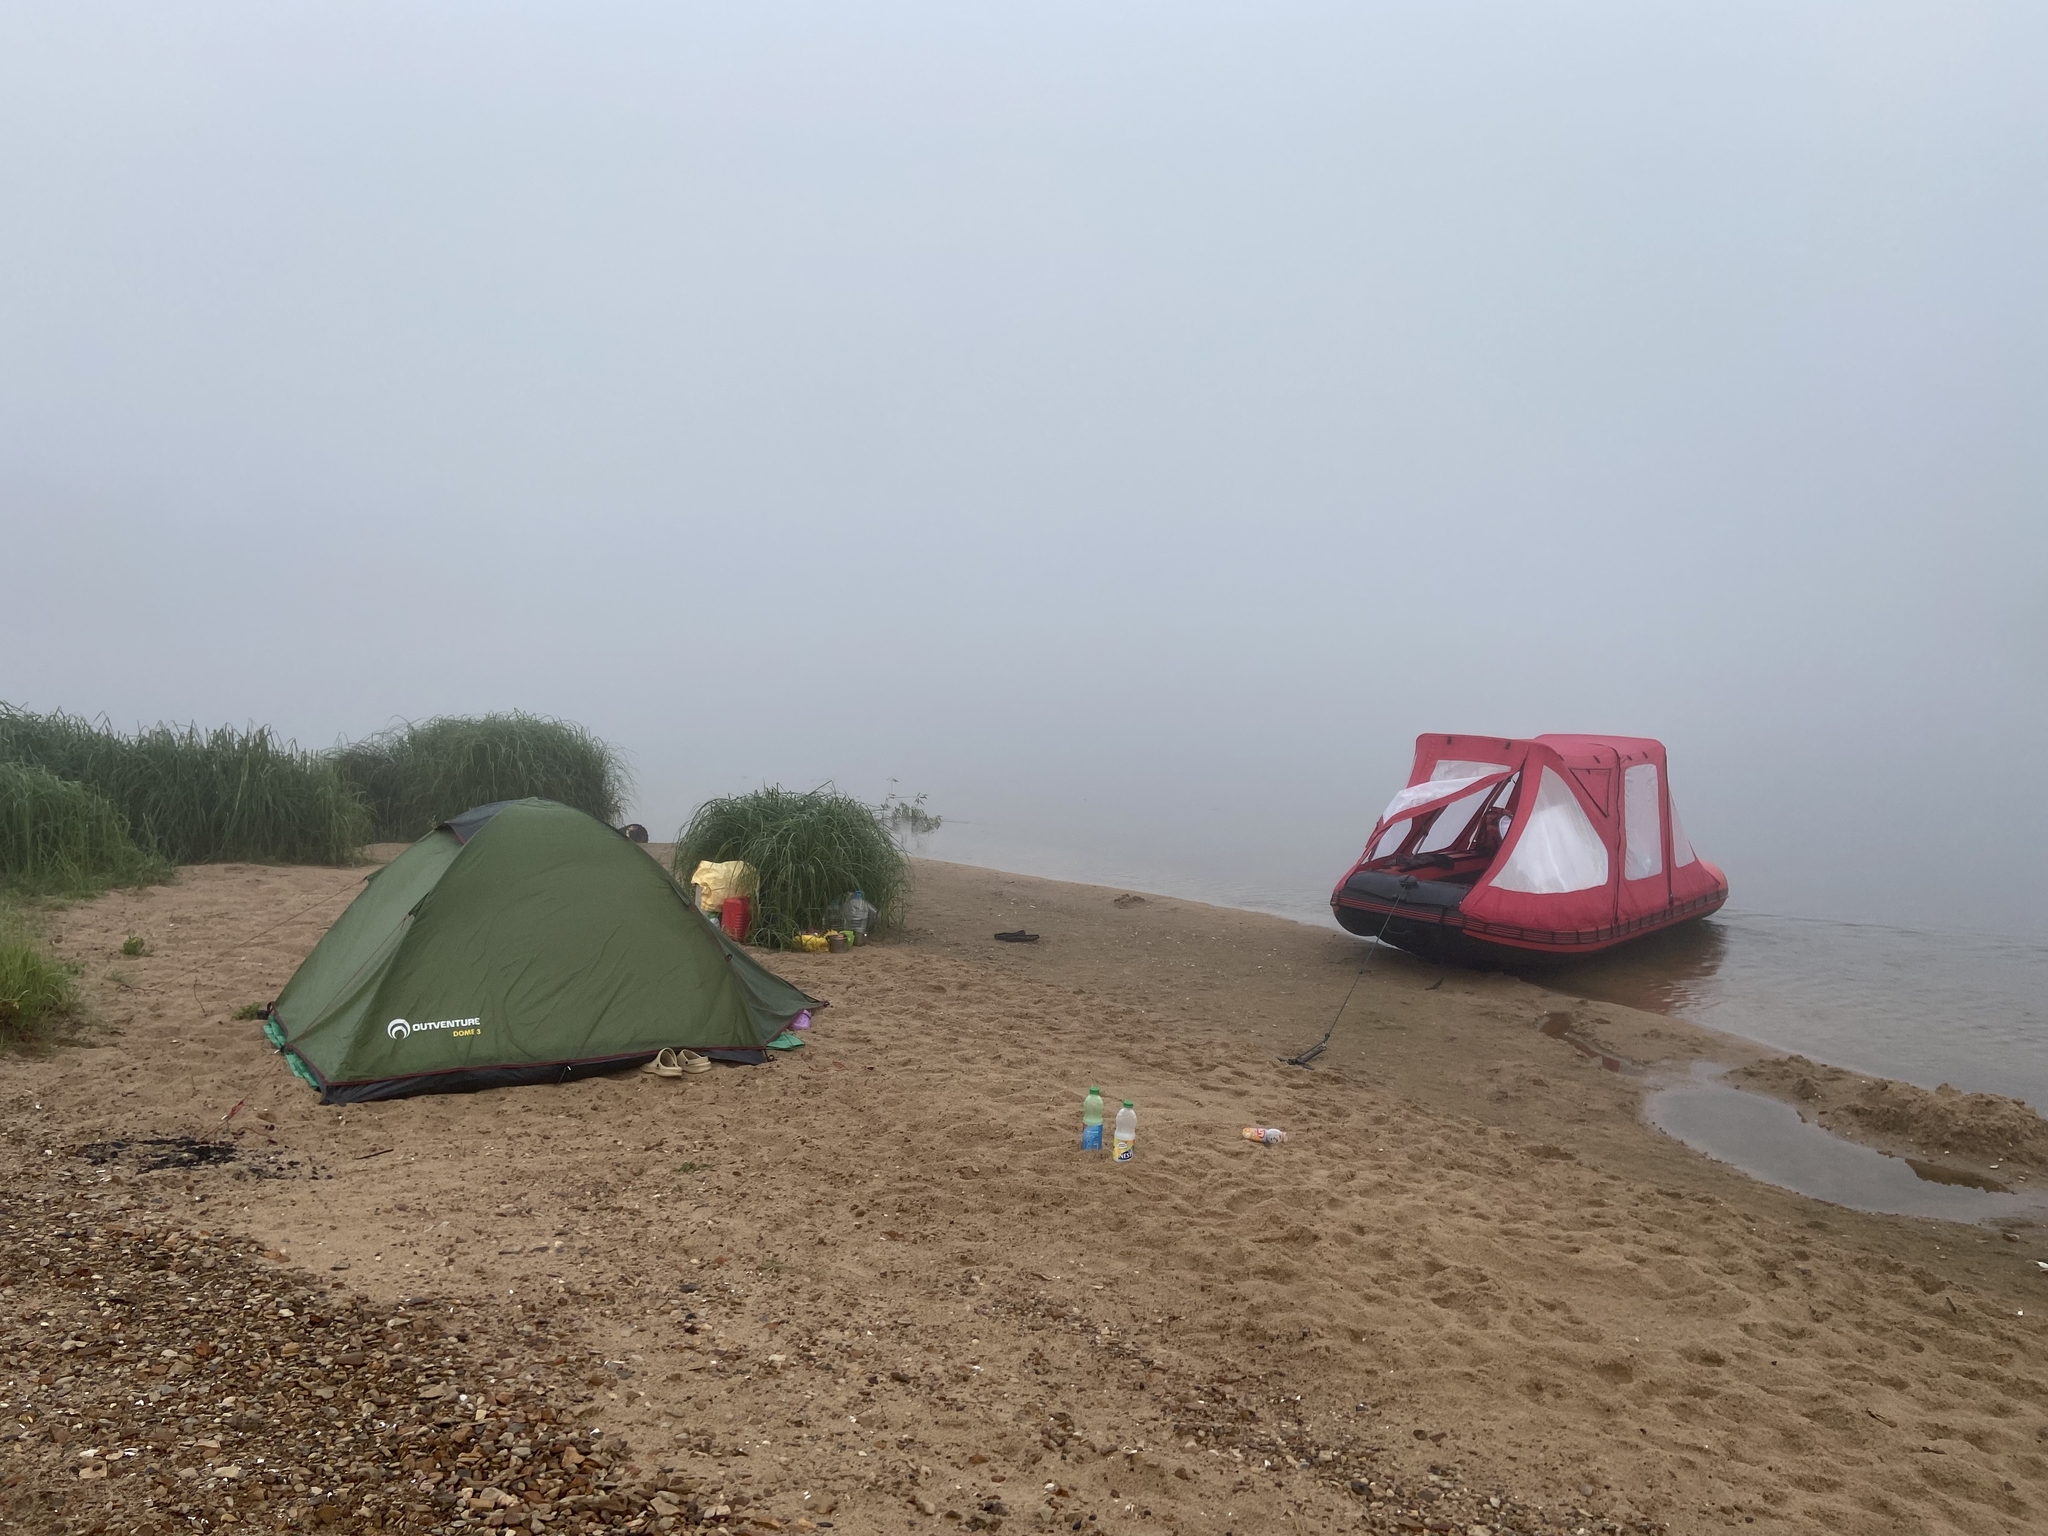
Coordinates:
(908, 817)
(61, 838)
(35, 990)
(812, 850)
(199, 797)
(415, 776)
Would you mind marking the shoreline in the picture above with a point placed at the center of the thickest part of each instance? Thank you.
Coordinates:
(1967, 1134)
(1794, 984)
(1891, 1114)
(1472, 1273)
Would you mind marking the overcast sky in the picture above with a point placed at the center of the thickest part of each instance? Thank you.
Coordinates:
(1129, 424)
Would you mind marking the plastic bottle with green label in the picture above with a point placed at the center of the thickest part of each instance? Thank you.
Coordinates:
(1091, 1121)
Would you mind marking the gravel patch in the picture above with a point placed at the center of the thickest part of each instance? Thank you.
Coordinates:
(160, 1376)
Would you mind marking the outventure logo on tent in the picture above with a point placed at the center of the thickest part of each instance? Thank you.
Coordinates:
(399, 1029)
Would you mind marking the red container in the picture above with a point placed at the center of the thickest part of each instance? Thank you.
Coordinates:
(736, 917)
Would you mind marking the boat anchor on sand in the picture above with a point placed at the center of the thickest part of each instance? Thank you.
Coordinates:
(1512, 852)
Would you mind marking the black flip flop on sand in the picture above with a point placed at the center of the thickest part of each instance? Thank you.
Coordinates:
(1018, 937)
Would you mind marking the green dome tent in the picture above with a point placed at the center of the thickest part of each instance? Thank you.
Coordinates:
(522, 942)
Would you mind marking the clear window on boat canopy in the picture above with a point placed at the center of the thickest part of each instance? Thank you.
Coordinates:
(1462, 825)
(1559, 850)
(1428, 790)
(1473, 823)
(1453, 822)
(1681, 845)
(1643, 828)
(1388, 841)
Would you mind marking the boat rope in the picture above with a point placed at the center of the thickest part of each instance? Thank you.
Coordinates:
(1307, 1057)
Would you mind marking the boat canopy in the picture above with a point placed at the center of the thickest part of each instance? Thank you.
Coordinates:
(1549, 834)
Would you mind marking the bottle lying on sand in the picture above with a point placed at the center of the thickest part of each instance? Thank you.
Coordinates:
(1126, 1132)
(1091, 1121)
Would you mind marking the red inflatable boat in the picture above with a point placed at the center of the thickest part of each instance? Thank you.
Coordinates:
(1507, 852)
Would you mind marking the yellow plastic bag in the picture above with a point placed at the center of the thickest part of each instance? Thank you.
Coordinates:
(715, 882)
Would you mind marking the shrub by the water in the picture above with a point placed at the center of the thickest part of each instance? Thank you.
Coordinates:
(34, 989)
(811, 849)
(60, 838)
(415, 776)
(198, 797)
(908, 817)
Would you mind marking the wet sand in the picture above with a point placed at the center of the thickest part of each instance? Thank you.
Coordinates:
(1472, 1273)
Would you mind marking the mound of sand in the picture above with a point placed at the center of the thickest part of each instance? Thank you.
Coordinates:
(1984, 1126)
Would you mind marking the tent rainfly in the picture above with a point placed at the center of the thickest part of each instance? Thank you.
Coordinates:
(521, 942)
(1510, 851)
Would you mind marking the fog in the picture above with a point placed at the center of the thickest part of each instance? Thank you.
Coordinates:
(1129, 426)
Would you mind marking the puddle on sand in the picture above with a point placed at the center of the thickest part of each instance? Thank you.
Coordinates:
(1768, 1141)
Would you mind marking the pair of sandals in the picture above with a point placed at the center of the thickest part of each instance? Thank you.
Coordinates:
(671, 1062)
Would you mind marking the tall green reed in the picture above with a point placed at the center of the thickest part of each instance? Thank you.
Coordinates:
(812, 849)
(60, 838)
(417, 775)
(198, 797)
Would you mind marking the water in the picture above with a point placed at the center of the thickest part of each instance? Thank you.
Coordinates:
(1926, 1008)
(1769, 1141)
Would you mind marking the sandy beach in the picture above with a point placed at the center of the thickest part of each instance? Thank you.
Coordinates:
(874, 1286)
